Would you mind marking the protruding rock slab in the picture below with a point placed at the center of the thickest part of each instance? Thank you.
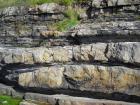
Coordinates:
(114, 3)
(122, 52)
(8, 90)
(32, 102)
(69, 100)
(50, 8)
(27, 103)
(94, 78)
(120, 28)
(90, 52)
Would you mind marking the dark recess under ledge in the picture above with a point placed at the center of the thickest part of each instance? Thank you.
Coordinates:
(77, 93)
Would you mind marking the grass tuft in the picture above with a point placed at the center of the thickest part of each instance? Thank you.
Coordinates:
(7, 100)
(70, 13)
(67, 23)
(64, 25)
(7, 3)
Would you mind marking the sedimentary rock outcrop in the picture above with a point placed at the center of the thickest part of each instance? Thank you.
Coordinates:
(85, 78)
(98, 58)
(122, 52)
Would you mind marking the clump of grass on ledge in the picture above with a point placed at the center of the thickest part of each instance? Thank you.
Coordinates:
(71, 13)
(7, 100)
(67, 23)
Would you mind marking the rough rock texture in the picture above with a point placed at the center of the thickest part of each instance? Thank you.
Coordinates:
(68, 100)
(41, 99)
(108, 28)
(122, 52)
(92, 78)
(50, 8)
(8, 90)
(127, 53)
(98, 58)
(29, 27)
(27, 102)
(108, 3)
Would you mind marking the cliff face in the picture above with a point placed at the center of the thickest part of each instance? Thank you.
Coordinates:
(98, 58)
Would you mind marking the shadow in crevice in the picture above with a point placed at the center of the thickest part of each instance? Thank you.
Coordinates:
(69, 40)
(77, 93)
(21, 67)
(77, 40)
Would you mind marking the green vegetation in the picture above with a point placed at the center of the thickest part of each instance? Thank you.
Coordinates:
(7, 100)
(67, 23)
(71, 13)
(63, 2)
(6, 3)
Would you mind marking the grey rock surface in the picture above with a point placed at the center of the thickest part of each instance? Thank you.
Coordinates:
(69, 100)
(50, 8)
(125, 52)
(97, 58)
(113, 29)
(108, 3)
(8, 90)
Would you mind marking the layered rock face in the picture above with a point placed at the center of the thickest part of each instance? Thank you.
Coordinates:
(98, 58)
(84, 77)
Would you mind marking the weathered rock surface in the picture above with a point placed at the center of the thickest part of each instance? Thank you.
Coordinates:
(107, 79)
(113, 29)
(25, 102)
(98, 58)
(126, 52)
(84, 77)
(29, 27)
(108, 3)
(41, 99)
(50, 8)
(8, 90)
(68, 100)
(13, 11)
